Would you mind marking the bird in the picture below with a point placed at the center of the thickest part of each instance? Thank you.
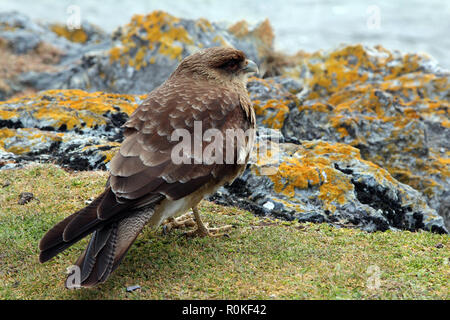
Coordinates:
(146, 186)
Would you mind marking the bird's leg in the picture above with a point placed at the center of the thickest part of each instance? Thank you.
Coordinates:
(182, 221)
(203, 230)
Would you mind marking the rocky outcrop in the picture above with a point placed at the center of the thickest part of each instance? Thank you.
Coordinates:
(328, 182)
(358, 136)
(135, 59)
(394, 108)
(74, 128)
(33, 53)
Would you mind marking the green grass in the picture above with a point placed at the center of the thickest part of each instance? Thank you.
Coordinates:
(262, 259)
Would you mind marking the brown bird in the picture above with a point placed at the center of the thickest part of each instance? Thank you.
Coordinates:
(146, 186)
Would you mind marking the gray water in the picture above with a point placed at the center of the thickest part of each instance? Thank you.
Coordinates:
(406, 25)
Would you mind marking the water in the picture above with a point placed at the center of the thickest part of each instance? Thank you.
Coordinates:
(406, 25)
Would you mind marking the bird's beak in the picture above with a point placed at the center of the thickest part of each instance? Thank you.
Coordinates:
(250, 67)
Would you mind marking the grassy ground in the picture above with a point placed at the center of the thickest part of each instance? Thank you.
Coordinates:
(262, 259)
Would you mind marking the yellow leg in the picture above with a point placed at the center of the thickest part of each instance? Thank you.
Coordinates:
(203, 230)
(183, 221)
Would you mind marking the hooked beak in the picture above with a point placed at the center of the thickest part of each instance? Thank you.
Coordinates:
(250, 67)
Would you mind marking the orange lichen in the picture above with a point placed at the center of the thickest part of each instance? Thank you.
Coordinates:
(113, 147)
(263, 32)
(311, 166)
(239, 29)
(403, 95)
(162, 32)
(75, 35)
(8, 114)
(273, 111)
(204, 25)
(20, 141)
(72, 108)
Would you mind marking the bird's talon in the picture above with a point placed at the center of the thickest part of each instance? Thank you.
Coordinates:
(183, 221)
(209, 232)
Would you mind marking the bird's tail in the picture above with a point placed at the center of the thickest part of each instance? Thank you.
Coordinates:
(108, 245)
(98, 259)
(57, 240)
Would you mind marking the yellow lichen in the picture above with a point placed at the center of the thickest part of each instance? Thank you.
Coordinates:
(311, 166)
(72, 108)
(160, 30)
(273, 111)
(339, 87)
(204, 25)
(20, 141)
(75, 35)
(112, 148)
(239, 29)
(263, 32)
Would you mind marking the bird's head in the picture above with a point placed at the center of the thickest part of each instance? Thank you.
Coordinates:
(221, 64)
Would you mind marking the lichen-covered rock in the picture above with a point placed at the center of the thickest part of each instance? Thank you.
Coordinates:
(70, 127)
(329, 182)
(32, 52)
(24, 34)
(147, 50)
(393, 107)
(95, 114)
(272, 100)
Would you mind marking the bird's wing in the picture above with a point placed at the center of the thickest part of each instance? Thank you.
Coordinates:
(144, 165)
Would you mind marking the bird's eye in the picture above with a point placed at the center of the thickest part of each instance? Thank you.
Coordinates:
(231, 65)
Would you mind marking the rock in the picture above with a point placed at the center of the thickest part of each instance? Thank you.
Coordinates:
(329, 182)
(72, 127)
(393, 107)
(33, 53)
(140, 55)
(25, 197)
(271, 100)
(313, 180)
(133, 288)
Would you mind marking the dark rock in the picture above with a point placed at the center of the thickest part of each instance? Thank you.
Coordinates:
(25, 197)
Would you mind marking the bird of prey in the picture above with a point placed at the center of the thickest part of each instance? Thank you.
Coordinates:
(146, 186)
